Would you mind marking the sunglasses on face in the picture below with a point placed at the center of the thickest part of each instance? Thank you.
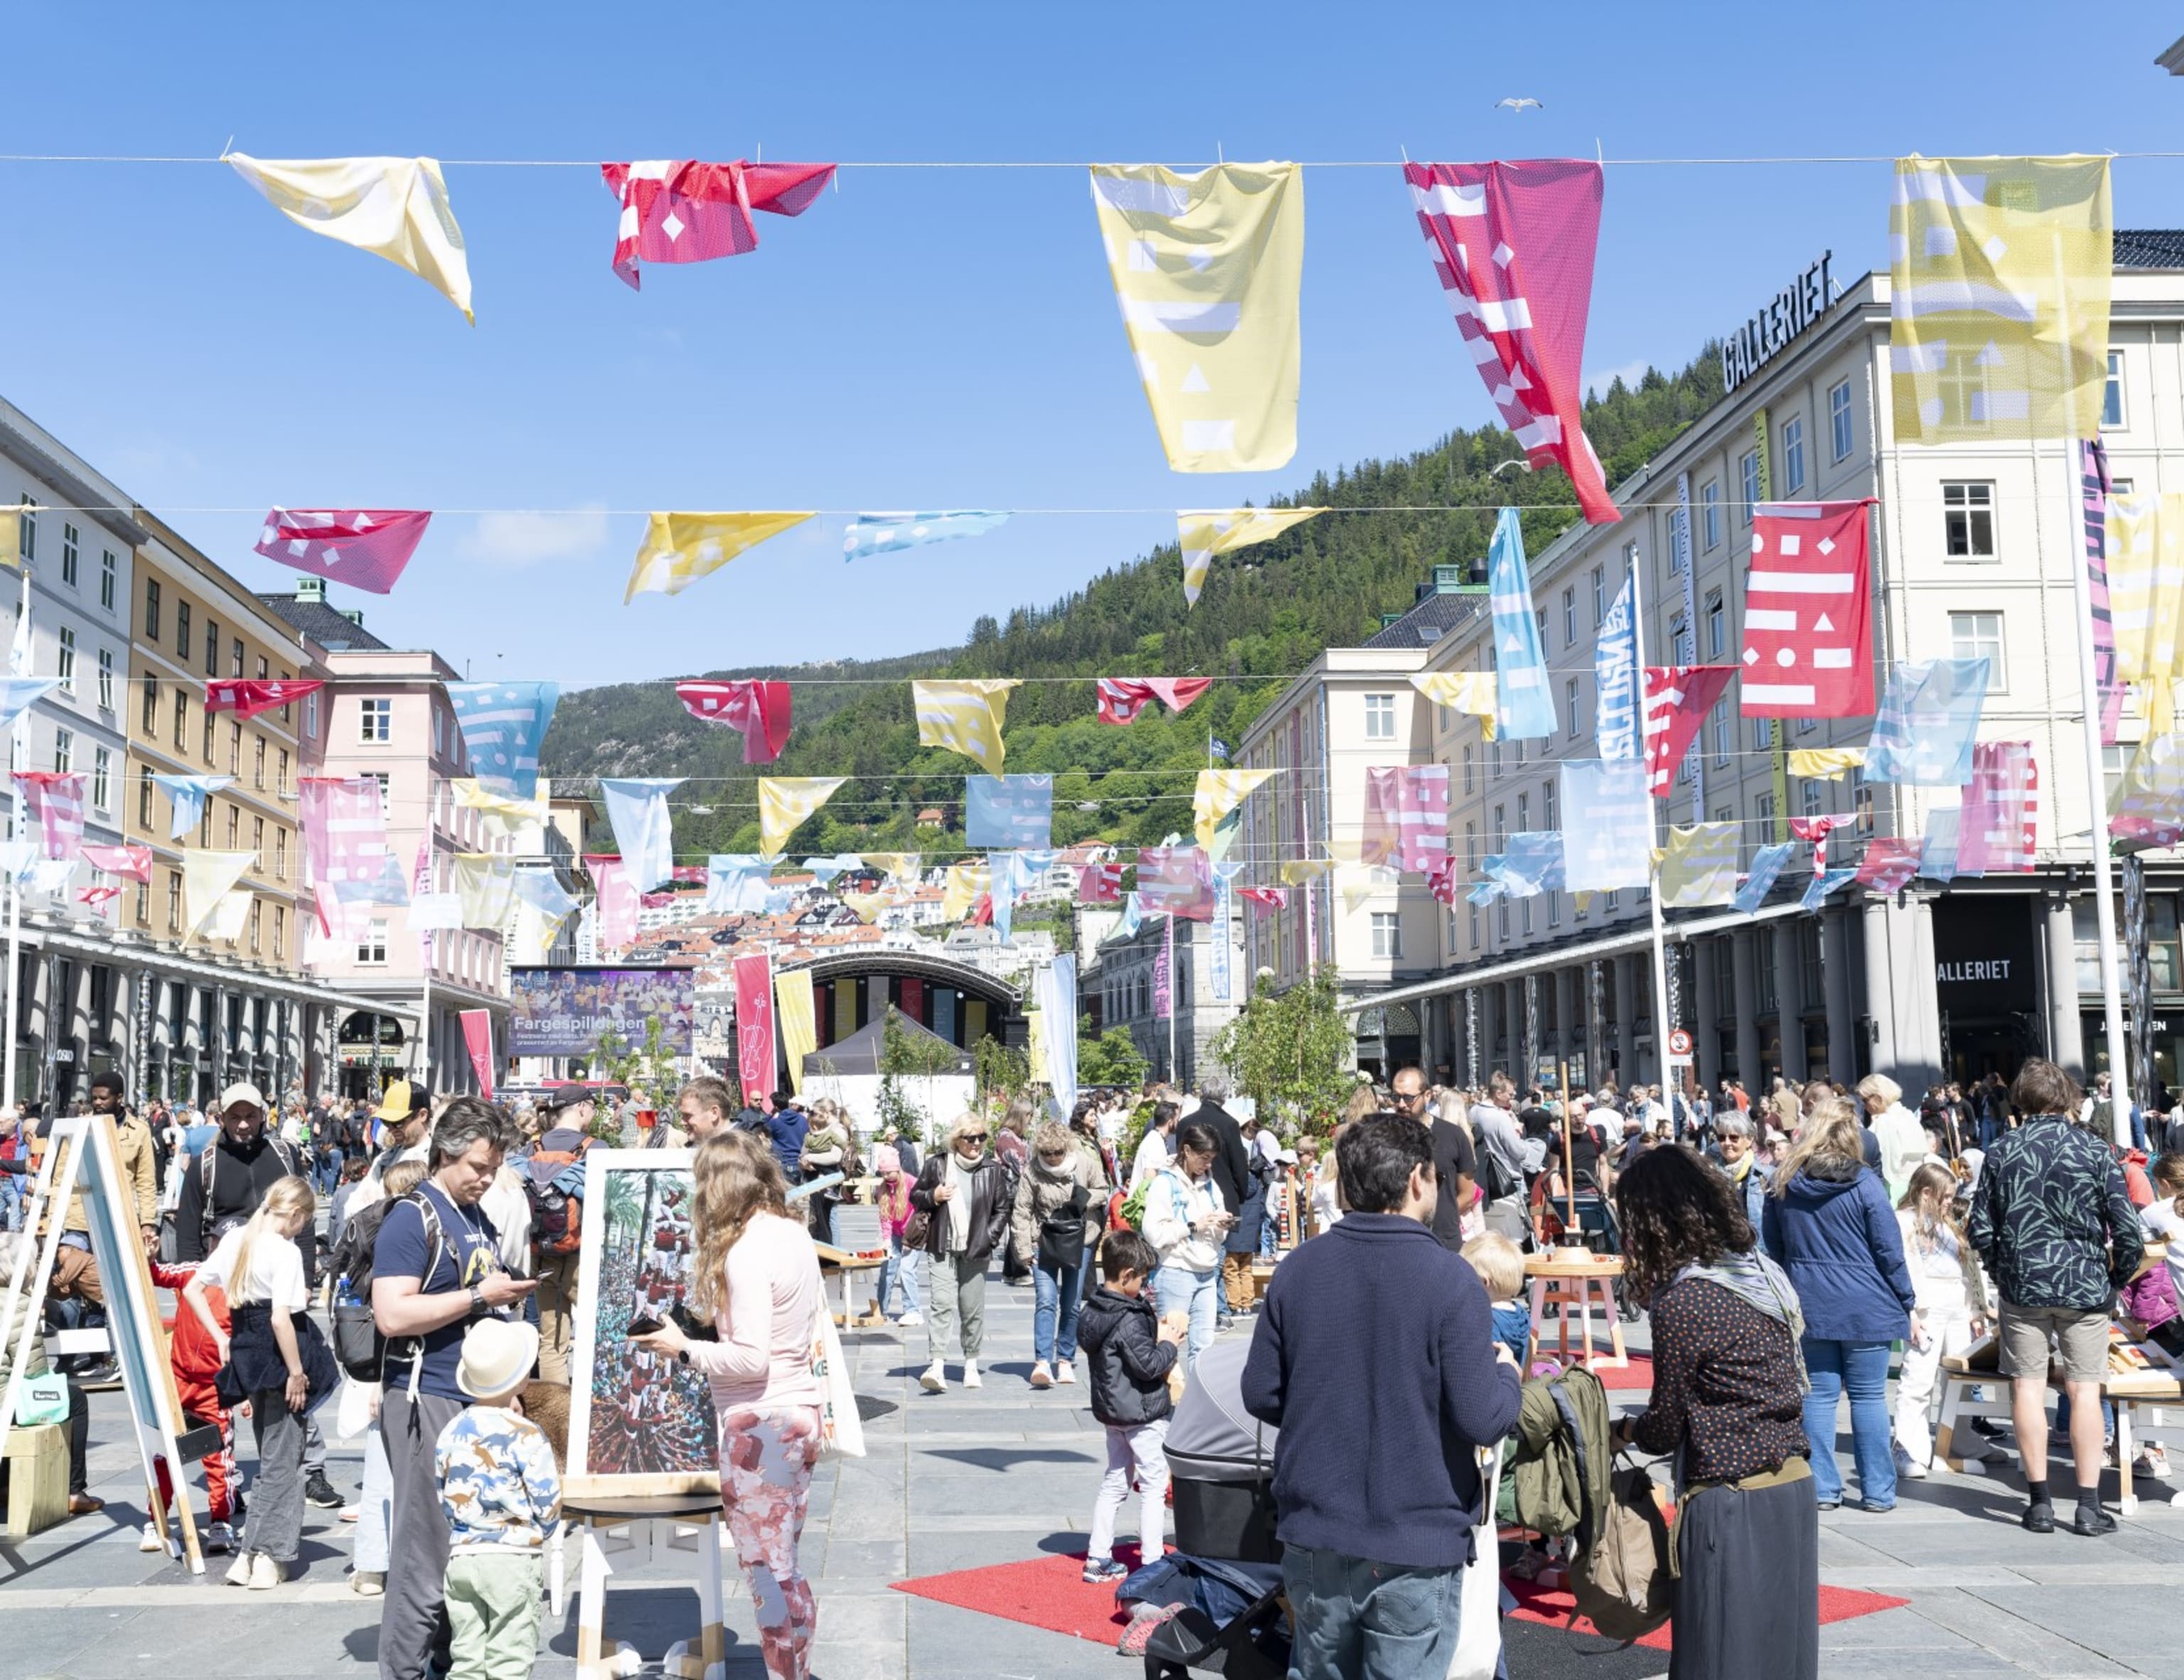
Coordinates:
(971, 1137)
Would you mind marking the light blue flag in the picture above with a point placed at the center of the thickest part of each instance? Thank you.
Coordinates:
(1131, 919)
(1223, 969)
(189, 794)
(1929, 723)
(779, 900)
(18, 692)
(735, 883)
(644, 826)
(1824, 884)
(872, 534)
(1937, 856)
(538, 888)
(1615, 671)
(1011, 875)
(1529, 864)
(1486, 891)
(1525, 703)
(824, 869)
(1003, 813)
(503, 724)
(1056, 990)
(391, 885)
(1766, 865)
(1614, 846)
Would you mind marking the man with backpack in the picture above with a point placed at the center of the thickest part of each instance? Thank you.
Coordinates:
(554, 1180)
(227, 1183)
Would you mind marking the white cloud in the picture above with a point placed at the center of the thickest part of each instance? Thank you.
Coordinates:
(1630, 372)
(518, 539)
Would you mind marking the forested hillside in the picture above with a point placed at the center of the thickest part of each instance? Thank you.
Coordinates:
(1265, 613)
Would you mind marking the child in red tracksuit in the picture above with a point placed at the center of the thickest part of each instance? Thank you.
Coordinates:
(196, 1357)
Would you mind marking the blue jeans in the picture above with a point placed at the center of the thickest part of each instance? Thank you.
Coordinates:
(899, 1268)
(1861, 1370)
(1990, 1128)
(1195, 1294)
(1057, 1294)
(1358, 1620)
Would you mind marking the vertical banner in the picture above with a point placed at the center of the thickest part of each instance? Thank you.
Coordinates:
(944, 1011)
(2138, 958)
(1679, 539)
(753, 980)
(1164, 976)
(1778, 738)
(1528, 1064)
(2093, 466)
(1471, 1035)
(477, 1037)
(797, 1010)
(1615, 677)
(1595, 1001)
(1224, 912)
(1055, 988)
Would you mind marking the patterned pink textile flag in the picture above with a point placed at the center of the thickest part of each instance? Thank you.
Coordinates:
(1817, 830)
(752, 975)
(1889, 864)
(1807, 635)
(55, 800)
(1678, 698)
(1512, 243)
(1122, 698)
(678, 210)
(132, 860)
(1440, 882)
(2000, 821)
(248, 699)
(1267, 898)
(97, 898)
(759, 709)
(1099, 883)
(616, 902)
(345, 834)
(364, 547)
(1406, 817)
(1175, 880)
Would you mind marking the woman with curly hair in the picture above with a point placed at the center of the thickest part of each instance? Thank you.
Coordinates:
(757, 1275)
(1727, 1402)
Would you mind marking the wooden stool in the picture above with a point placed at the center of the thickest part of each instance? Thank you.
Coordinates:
(38, 1479)
(1576, 1277)
(646, 1530)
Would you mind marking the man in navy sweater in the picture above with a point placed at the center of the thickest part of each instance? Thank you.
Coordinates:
(1375, 1357)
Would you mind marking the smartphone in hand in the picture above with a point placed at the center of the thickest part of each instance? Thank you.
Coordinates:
(643, 1324)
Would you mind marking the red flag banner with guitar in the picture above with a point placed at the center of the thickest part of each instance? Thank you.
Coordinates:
(753, 981)
(758, 709)
(1678, 698)
(1808, 632)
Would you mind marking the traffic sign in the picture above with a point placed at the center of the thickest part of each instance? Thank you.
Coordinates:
(1679, 1042)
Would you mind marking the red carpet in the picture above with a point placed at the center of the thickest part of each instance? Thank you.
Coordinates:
(1559, 1609)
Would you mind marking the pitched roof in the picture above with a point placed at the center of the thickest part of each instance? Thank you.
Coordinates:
(330, 629)
(2145, 247)
(1428, 622)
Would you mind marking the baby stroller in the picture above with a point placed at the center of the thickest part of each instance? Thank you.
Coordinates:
(1226, 1568)
(1594, 1221)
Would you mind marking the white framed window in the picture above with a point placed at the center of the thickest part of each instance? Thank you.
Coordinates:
(1861, 794)
(1806, 725)
(375, 719)
(101, 777)
(1793, 455)
(1570, 707)
(372, 944)
(1747, 472)
(1763, 813)
(1494, 758)
(72, 543)
(1680, 639)
(65, 667)
(1599, 596)
(1710, 513)
(380, 777)
(1379, 718)
(2112, 394)
(1569, 615)
(106, 679)
(1540, 613)
(64, 751)
(1763, 733)
(1978, 635)
(1720, 732)
(1387, 934)
(109, 580)
(1968, 520)
(1812, 796)
(1467, 767)
(311, 715)
(1717, 626)
(1839, 421)
(1471, 915)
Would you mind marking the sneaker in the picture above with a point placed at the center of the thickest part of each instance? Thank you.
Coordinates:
(1148, 1622)
(1909, 1468)
(910, 1320)
(368, 1583)
(238, 1572)
(1066, 1374)
(971, 1375)
(2154, 1461)
(219, 1538)
(149, 1540)
(933, 1380)
(1040, 1376)
(1102, 1571)
(319, 1491)
(2038, 1519)
(264, 1573)
(2092, 1520)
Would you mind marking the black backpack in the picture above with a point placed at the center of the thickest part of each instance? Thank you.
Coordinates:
(291, 1167)
(360, 1348)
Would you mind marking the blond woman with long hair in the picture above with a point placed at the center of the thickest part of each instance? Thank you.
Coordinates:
(757, 1276)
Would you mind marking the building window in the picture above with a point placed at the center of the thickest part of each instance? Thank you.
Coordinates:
(1762, 818)
(380, 777)
(1811, 794)
(1569, 616)
(71, 542)
(205, 824)
(2111, 405)
(1968, 520)
(283, 784)
(212, 647)
(1599, 596)
(1763, 733)
(151, 707)
(1747, 470)
(1793, 455)
(182, 627)
(1839, 437)
(1710, 513)
(1387, 934)
(1978, 635)
(143, 904)
(211, 728)
(106, 679)
(1861, 793)
(101, 777)
(143, 808)
(310, 715)
(1717, 626)
(280, 932)
(234, 826)
(1502, 917)
(1379, 718)
(1540, 617)
(235, 749)
(1494, 758)
(1467, 769)
(372, 948)
(280, 854)
(64, 751)
(1471, 847)
(235, 647)
(256, 912)
(375, 717)
(1679, 639)
(258, 842)
(263, 670)
(174, 900)
(66, 668)
(110, 573)
(1570, 707)
(151, 626)
(1721, 736)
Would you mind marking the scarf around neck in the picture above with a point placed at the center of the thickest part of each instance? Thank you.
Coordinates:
(1763, 1285)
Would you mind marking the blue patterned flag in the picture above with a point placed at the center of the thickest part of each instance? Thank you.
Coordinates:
(1937, 855)
(18, 692)
(644, 828)
(503, 724)
(1613, 845)
(1528, 865)
(824, 869)
(1929, 723)
(1131, 919)
(873, 533)
(187, 794)
(1011, 875)
(736, 882)
(1000, 812)
(1525, 707)
(1615, 671)
(1822, 885)
(1766, 864)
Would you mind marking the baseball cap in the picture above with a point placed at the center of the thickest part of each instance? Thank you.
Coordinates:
(567, 1097)
(241, 1093)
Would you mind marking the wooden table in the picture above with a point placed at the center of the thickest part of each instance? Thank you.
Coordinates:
(647, 1528)
(1576, 1277)
(2152, 1389)
(838, 1263)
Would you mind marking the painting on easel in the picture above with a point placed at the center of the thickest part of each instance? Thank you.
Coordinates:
(638, 1423)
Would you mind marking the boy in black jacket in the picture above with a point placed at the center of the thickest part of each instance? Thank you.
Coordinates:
(1130, 1351)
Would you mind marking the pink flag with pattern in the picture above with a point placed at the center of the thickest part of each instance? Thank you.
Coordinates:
(364, 547)
(132, 860)
(248, 699)
(617, 903)
(54, 799)
(759, 710)
(678, 210)
(1122, 698)
(2000, 820)
(1099, 883)
(1889, 864)
(1406, 817)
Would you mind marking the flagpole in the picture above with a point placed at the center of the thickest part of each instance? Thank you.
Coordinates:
(1171, 996)
(1662, 1024)
(18, 744)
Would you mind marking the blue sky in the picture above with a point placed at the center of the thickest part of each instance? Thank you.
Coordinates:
(921, 338)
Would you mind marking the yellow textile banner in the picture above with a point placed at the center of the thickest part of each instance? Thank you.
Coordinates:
(1299, 870)
(1036, 1020)
(962, 886)
(1825, 763)
(867, 905)
(395, 208)
(793, 1008)
(1698, 866)
(2145, 597)
(501, 815)
(1205, 532)
(681, 548)
(1207, 270)
(785, 802)
(1219, 795)
(902, 867)
(1359, 882)
(1999, 276)
(964, 717)
(1466, 691)
(231, 916)
(485, 882)
(845, 1009)
(208, 877)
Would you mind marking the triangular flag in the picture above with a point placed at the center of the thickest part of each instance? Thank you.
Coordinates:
(786, 802)
(681, 548)
(1203, 532)
(964, 717)
(395, 208)
(208, 877)
(1216, 807)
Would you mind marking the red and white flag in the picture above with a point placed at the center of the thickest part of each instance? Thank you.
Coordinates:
(1512, 243)
(678, 210)
(1267, 898)
(1678, 698)
(759, 709)
(752, 975)
(1889, 864)
(2000, 822)
(1099, 883)
(55, 800)
(132, 860)
(248, 699)
(1807, 635)
(1405, 817)
(1440, 882)
(96, 898)
(1817, 830)
(364, 547)
(1122, 698)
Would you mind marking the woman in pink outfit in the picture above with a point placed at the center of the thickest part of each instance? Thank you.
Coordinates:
(757, 1275)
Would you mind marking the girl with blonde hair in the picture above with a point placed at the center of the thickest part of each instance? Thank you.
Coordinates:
(1951, 1311)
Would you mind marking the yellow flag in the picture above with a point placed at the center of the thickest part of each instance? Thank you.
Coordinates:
(964, 717)
(1207, 269)
(485, 882)
(1465, 691)
(208, 877)
(231, 916)
(1358, 882)
(2000, 272)
(1698, 866)
(395, 208)
(867, 905)
(1299, 870)
(1825, 763)
(500, 815)
(1206, 532)
(962, 886)
(1219, 794)
(2145, 597)
(902, 867)
(784, 802)
(793, 1009)
(1036, 1021)
(681, 548)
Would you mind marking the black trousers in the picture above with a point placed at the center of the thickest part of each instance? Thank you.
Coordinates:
(1748, 1601)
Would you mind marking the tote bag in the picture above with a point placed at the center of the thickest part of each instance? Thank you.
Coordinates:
(841, 1431)
(1479, 1626)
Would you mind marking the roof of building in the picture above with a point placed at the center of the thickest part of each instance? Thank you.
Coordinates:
(1432, 618)
(331, 628)
(2149, 246)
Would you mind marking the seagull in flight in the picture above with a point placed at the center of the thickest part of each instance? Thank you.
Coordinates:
(1519, 105)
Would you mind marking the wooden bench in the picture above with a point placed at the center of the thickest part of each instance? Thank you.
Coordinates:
(37, 1462)
(2151, 1390)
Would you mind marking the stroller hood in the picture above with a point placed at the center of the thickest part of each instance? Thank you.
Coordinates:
(1211, 1437)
